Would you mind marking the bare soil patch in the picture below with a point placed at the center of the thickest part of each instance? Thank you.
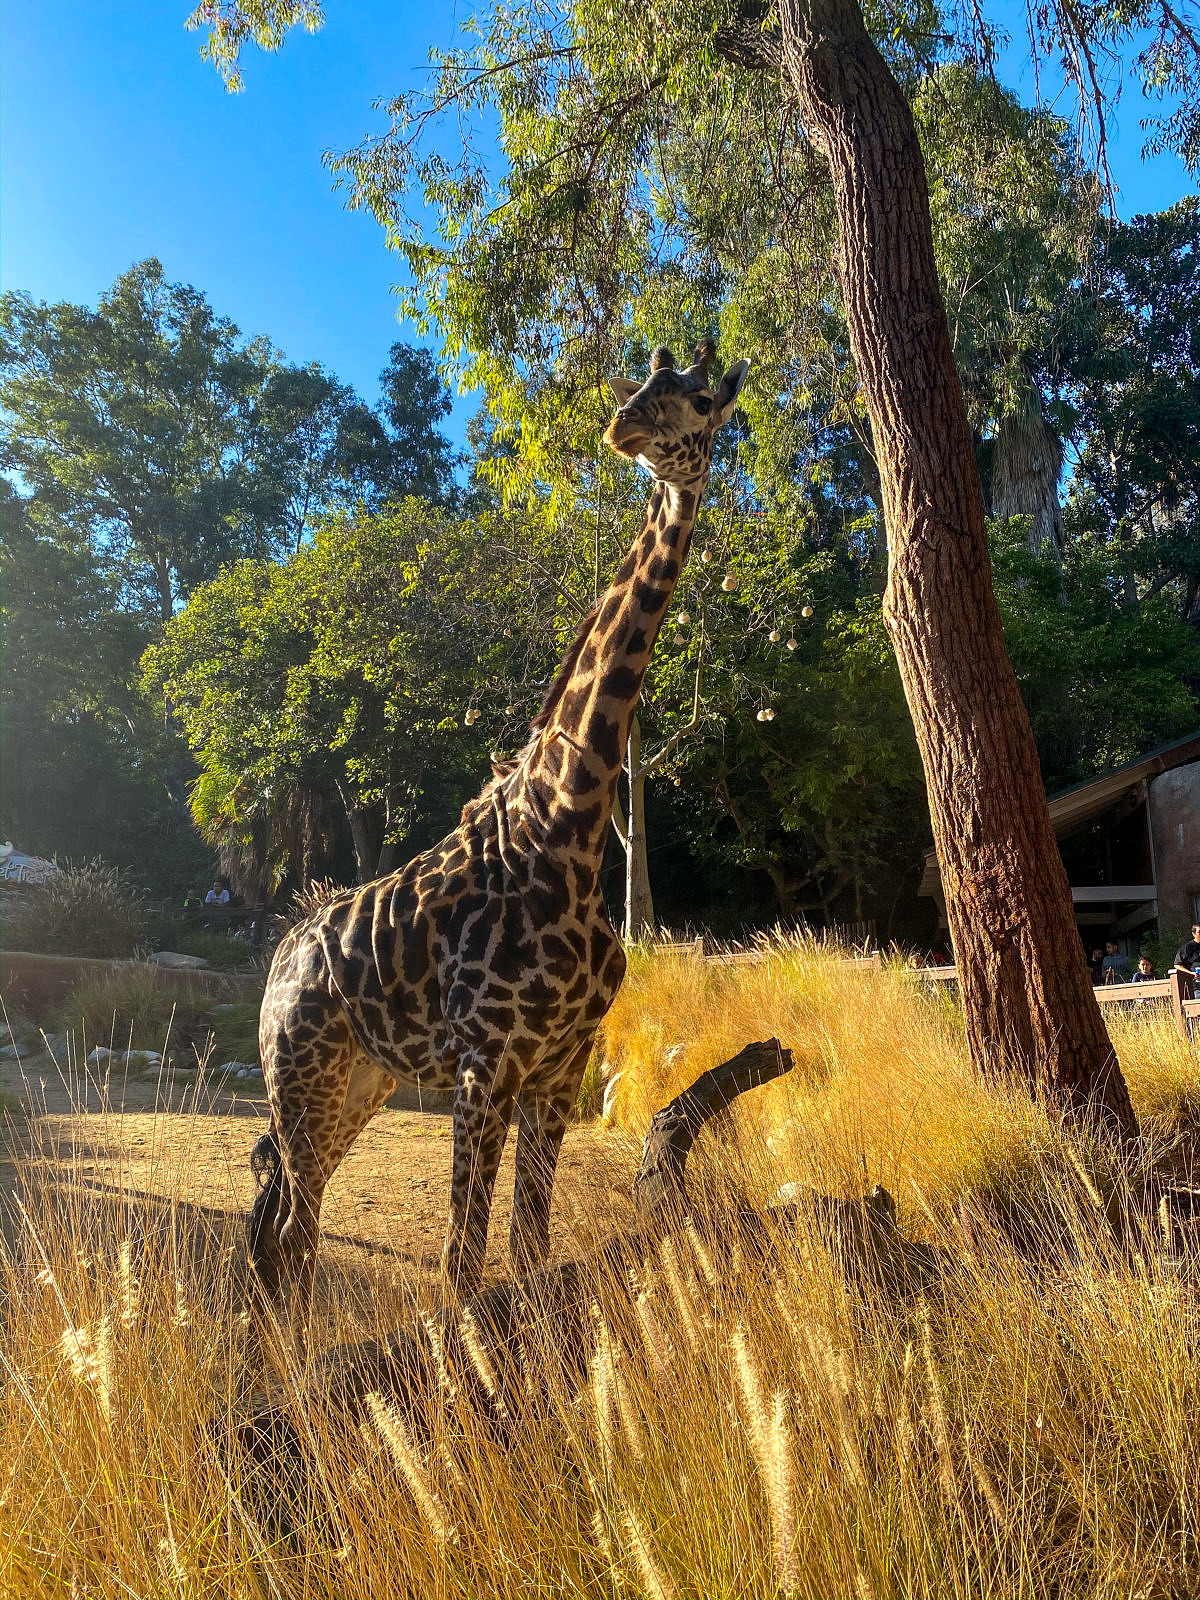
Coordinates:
(185, 1145)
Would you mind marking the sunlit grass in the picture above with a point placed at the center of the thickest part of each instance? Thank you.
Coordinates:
(882, 1091)
(1023, 1425)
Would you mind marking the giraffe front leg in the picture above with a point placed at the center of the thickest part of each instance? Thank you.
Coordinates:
(483, 1104)
(542, 1115)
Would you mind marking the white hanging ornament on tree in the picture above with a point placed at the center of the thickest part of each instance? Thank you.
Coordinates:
(470, 716)
(766, 715)
(774, 636)
(510, 711)
(793, 643)
(729, 582)
(684, 618)
(806, 611)
(706, 556)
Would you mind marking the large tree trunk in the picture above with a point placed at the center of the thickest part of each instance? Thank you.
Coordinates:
(1025, 985)
(639, 902)
(364, 835)
(1026, 467)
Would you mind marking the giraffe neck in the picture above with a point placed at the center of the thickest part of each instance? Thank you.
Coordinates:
(568, 785)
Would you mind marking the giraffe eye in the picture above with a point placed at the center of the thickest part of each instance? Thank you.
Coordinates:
(702, 404)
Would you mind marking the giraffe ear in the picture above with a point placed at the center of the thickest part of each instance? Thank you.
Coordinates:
(624, 389)
(729, 389)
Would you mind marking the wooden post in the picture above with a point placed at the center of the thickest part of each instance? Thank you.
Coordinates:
(1183, 987)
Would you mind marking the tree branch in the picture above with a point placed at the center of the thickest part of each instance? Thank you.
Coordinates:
(673, 743)
(748, 42)
(620, 826)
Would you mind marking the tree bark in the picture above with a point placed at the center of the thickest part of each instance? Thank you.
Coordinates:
(1026, 467)
(364, 836)
(1025, 984)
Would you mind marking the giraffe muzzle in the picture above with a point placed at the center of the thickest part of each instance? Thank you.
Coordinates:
(627, 436)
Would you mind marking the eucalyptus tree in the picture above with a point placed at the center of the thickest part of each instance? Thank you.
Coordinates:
(398, 448)
(544, 265)
(132, 424)
(1127, 371)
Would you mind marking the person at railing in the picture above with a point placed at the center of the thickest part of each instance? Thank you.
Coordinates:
(1187, 957)
(1116, 966)
(218, 895)
(1097, 968)
(1145, 971)
(191, 900)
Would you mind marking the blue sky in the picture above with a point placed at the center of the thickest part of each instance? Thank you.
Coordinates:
(118, 143)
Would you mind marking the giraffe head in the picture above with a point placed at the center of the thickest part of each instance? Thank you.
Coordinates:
(668, 422)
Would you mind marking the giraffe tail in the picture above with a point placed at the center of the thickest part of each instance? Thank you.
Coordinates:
(267, 1166)
(265, 1159)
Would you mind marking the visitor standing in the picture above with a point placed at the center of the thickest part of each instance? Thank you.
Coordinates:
(1116, 966)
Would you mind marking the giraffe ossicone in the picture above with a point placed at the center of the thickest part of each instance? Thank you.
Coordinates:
(487, 963)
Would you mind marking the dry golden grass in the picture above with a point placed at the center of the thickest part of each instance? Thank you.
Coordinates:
(882, 1090)
(1024, 1427)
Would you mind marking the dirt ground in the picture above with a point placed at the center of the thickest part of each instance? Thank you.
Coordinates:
(188, 1144)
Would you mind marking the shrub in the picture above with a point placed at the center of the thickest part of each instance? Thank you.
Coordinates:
(215, 948)
(128, 1008)
(235, 1031)
(90, 909)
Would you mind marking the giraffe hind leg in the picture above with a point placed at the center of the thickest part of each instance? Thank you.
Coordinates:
(543, 1110)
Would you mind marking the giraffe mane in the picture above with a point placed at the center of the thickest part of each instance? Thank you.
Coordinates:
(558, 685)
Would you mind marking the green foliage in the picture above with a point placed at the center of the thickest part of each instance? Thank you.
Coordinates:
(330, 694)
(235, 1031)
(158, 445)
(84, 910)
(215, 948)
(127, 1008)
(130, 424)
(151, 431)
(80, 752)
(1129, 370)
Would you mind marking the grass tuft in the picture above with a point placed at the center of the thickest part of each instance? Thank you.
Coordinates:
(1028, 1423)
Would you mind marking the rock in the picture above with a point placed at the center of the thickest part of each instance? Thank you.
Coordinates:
(175, 958)
(241, 1069)
(53, 1044)
(133, 1060)
(9, 1052)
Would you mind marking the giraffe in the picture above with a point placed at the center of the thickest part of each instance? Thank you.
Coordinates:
(486, 964)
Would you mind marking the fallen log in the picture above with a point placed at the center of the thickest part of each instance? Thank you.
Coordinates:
(493, 1350)
(659, 1190)
(409, 1364)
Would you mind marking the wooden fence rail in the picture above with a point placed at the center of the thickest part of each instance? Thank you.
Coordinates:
(1178, 990)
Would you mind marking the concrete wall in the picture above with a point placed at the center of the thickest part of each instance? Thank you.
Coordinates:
(1175, 821)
